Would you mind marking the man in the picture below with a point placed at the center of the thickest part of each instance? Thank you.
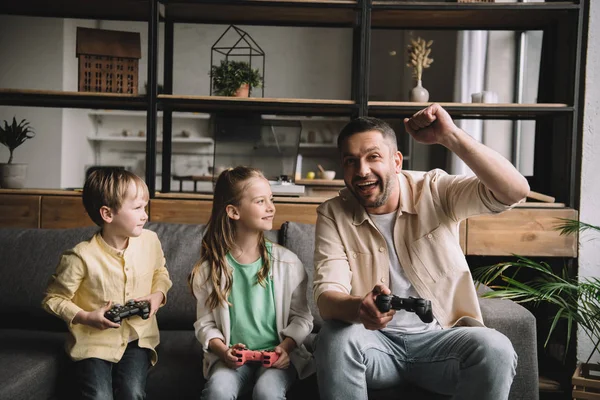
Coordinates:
(392, 231)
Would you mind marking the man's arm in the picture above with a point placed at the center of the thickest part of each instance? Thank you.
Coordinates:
(340, 306)
(332, 281)
(433, 125)
(353, 309)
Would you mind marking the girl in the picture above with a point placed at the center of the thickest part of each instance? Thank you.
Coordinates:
(251, 294)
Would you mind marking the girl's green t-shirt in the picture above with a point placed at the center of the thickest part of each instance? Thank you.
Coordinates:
(252, 313)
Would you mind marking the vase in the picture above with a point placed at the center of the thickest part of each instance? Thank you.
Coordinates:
(243, 91)
(418, 93)
(12, 176)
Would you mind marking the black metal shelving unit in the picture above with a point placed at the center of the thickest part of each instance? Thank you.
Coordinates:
(558, 115)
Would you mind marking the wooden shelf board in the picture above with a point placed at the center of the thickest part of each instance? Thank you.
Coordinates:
(399, 109)
(142, 114)
(195, 140)
(257, 104)
(264, 12)
(337, 183)
(486, 16)
(58, 99)
(128, 10)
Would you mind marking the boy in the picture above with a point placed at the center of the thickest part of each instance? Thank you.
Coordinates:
(121, 262)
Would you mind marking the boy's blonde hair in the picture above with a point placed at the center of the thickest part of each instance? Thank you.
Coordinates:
(108, 186)
(219, 237)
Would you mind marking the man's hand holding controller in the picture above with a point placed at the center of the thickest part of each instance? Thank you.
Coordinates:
(368, 313)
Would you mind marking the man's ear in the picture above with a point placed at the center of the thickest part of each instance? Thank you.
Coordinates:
(232, 212)
(398, 161)
(106, 214)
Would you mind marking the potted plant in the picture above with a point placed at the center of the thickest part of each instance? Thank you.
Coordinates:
(13, 135)
(234, 78)
(577, 301)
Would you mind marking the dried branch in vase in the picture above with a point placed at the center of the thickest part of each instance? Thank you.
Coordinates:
(418, 56)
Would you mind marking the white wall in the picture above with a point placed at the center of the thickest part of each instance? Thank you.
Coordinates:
(31, 54)
(589, 250)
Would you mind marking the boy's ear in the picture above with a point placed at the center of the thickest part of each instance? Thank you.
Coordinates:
(106, 214)
(232, 212)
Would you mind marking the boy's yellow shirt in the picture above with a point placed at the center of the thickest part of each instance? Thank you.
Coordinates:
(93, 273)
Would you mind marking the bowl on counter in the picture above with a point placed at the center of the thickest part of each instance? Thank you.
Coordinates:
(327, 174)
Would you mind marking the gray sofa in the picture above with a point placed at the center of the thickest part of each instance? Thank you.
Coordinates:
(31, 341)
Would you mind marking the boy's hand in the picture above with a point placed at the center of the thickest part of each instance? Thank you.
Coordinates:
(155, 299)
(283, 361)
(96, 318)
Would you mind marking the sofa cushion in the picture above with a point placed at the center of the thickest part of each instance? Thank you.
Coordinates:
(31, 363)
(28, 258)
(181, 246)
(178, 373)
(519, 326)
(300, 239)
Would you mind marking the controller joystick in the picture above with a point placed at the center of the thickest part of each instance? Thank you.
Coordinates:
(421, 307)
(266, 357)
(118, 312)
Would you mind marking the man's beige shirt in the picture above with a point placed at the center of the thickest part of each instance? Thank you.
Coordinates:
(93, 273)
(351, 254)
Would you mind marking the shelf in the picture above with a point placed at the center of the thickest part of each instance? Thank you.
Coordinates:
(337, 13)
(318, 146)
(59, 99)
(262, 105)
(303, 118)
(486, 16)
(128, 10)
(197, 140)
(142, 114)
(338, 183)
(392, 109)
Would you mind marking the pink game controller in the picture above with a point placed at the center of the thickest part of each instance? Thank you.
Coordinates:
(266, 358)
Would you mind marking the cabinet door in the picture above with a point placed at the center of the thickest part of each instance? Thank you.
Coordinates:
(19, 211)
(61, 212)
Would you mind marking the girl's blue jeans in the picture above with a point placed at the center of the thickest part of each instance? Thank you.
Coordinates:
(265, 383)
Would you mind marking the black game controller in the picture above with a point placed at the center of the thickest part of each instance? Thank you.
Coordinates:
(419, 306)
(131, 308)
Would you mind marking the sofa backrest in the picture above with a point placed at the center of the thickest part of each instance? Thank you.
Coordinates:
(300, 239)
(28, 257)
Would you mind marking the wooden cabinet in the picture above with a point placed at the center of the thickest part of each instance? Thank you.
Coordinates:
(523, 230)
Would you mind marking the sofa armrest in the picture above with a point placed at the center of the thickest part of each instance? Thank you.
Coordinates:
(519, 325)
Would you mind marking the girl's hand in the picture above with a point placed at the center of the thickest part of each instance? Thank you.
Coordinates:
(283, 362)
(96, 318)
(155, 299)
(229, 356)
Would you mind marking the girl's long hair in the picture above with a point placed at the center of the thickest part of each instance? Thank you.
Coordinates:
(219, 237)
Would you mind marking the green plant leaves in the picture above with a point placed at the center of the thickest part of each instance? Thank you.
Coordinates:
(230, 75)
(14, 135)
(577, 300)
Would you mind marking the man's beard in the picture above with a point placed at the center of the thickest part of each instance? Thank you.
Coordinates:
(381, 199)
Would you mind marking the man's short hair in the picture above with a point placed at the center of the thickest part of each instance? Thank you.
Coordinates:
(108, 187)
(365, 124)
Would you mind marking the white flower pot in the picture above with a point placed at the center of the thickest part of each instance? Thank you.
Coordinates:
(12, 176)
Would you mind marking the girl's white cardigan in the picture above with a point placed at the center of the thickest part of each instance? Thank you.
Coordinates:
(292, 314)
